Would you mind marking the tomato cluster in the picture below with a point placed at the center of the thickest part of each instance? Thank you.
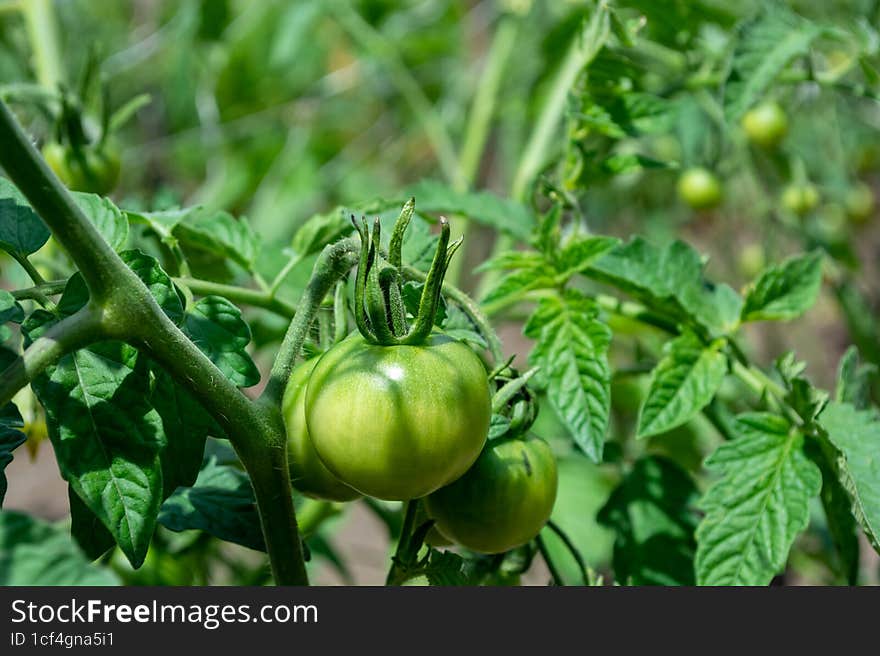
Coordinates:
(405, 422)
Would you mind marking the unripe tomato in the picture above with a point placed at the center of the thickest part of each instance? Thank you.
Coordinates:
(800, 199)
(89, 169)
(398, 422)
(307, 473)
(503, 501)
(859, 203)
(766, 124)
(699, 188)
(752, 260)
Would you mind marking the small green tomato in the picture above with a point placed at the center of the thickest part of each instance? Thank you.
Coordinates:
(699, 188)
(800, 199)
(766, 124)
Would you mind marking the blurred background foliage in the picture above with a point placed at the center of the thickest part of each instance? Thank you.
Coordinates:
(278, 110)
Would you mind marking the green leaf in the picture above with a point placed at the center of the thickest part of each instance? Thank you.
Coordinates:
(10, 310)
(670, 280)
(164, 222)
(446, 568)
(484, 207)
(514, 285)
(88, 531)
(109, 219)
(221, 235)
(856, 435)
(186, 425)
(216, 327)
(785, 291)
(33, 552)
(759, 505)
(652, 513)
(21, 231)
(11, 438)
(578, 255)
(682, 384)
(148, 269)
(320, 230)
(220, 503)
(106, 434)
(766, 45)
(854, 380)
(572, 347)
(842, 525)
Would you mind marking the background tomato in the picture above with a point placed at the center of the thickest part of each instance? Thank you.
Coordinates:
(503, 501)
(307, 473)
(859, 202)
(398, 422)
(766, 124)
(800, 199)
(699, 188)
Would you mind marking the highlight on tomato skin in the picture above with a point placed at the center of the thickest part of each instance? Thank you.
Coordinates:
(766, 124)
(398, 422)
(699, 188)
(307, 473)
(503, 501)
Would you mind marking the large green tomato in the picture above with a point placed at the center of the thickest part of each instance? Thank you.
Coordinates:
(307, 473)
(766, 124)
(503, 501)
(398, 422)
(699, 188)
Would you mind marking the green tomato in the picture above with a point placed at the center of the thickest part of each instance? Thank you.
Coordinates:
(503, 501)
(766, 124)
(398, 422)
(859, 203)
(699, 188)
(752, 260)
(800, 199)
(307, 473)
(87, 169)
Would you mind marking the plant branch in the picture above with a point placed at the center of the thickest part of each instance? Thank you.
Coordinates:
(573, 550)
(334, 262)
(99, 264)
(397, 574)
(545, 554)
(41, 291)
(243, 295)
(71, 333)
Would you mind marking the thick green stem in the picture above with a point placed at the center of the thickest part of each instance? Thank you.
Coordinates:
(243, 295)
(102, 269)
(129, 312)
(74, 332)
(397, 573)
(335, 261)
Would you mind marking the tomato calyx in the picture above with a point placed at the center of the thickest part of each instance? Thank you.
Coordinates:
(379, 310)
